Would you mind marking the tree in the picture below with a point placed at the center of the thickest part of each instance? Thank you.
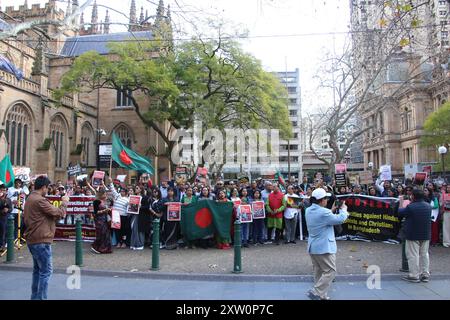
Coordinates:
(386, 57)
(212, 80)
(437, 127)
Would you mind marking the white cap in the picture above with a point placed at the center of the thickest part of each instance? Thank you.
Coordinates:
(320, 193)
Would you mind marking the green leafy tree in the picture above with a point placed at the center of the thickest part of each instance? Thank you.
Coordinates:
(214, 81)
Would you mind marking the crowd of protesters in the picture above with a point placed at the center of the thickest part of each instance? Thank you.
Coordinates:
(285, 221)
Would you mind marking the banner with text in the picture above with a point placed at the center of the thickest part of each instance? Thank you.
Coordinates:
(372, 218)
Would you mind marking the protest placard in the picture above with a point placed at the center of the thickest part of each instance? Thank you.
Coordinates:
(115, 219)
(134, 204)
(258, 209)
(340, 179)
(385, 173)
(419, 178)
(245, 213)
(97, 178)
(340, 168)
(365, 177)
(174, 211)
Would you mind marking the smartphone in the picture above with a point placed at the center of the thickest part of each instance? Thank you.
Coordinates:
(338, 203)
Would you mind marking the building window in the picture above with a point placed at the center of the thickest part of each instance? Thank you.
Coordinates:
(292, 90)
(58, 131)
(18, 124)
(123, 99)
(124, 135)
(87, 141)
(293, 101)
(294, 124)
(293, 113)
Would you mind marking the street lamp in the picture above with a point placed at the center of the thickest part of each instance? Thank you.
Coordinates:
(442, 151)
(100, 133)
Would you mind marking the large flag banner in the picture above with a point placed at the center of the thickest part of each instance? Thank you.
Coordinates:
(7, 172)
(128, 159)
(371, 218)
(206, 217)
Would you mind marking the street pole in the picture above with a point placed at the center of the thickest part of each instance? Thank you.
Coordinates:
(443, 166)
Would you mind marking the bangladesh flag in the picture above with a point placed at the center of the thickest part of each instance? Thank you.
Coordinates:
(128, 159)
(279, 178)
(206, 217)
(6, 172)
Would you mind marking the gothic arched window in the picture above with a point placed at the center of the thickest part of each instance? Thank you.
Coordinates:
(58, 131)
(87, 141)
(18, 131)
(125, 135)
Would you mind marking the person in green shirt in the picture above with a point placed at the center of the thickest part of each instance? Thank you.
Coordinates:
(189, 197)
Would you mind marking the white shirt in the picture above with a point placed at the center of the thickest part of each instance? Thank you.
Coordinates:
(289, 213)
(13, 195)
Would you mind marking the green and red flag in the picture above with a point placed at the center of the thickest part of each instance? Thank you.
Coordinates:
(7, 172)
(128, 159)
(206, 217)
(279, 178)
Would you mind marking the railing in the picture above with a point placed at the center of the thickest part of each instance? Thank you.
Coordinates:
(24, 84)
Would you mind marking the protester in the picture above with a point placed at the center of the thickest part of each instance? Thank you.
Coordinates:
(5, 211)
(121, 201)
(14, 194)
(102, 243)
(432, 197)
(171, 229)
(275, 206)
(321, 241)
(267, 191)
(418, 234)
(157, 209)
(40, 217)
(258, 224)
(222, 243)
(145, 217)
(446, 217)
(290, 214)
(137, 239)
(245, 226)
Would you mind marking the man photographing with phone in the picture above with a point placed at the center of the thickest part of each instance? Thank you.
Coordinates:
(321, 241)
(40, 218)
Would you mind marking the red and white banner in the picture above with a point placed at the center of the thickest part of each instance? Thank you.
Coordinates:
(77, 204)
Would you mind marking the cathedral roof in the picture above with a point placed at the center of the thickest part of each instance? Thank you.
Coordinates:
(76, 46)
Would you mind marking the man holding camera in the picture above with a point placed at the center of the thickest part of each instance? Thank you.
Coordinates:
(40, 218)
(321, 241)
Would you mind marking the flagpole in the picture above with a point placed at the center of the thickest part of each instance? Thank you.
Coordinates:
(110, 166)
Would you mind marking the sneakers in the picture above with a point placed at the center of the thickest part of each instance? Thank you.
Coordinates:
(411, 279)
(446, 245)
(95, 251)
(424, 279)
(293, 241)
(313, 296)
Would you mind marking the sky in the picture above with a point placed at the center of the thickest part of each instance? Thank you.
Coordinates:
(283, 34)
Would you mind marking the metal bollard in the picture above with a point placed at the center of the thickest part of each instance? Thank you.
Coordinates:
(78, 244)
(155, 245)
(10, 240)
(237, 247)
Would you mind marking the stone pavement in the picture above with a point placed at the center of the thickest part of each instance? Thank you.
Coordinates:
(353, 258)
(15, 285)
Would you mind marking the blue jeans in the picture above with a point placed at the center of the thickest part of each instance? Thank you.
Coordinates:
(244, 235)
(42, 269)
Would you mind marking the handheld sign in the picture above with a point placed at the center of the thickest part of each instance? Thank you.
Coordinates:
(174, 211)
(97, 178)
(245, 213)
(258, 209)
(134, 204)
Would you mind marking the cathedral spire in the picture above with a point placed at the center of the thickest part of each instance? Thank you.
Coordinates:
(141, 18)
(160, 10)
(133, 15)
(107, 23)
(69, 9)
(94, 19)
